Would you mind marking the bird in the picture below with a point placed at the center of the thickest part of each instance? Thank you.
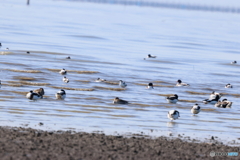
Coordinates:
(0, 45)
(150, 86)
(179, 83)
(100, 80)
(233, 62)
(122, 84)
(61, 94)
(150, 56)
(172, 99)
(224, 104)
(7, 48)
(65, 79)
(173, 114)
(39, 91)
(63, 72)
(213, 95)
(119, 101)
(195, 109)
(0, 82)
(214, 100)
(68, 57)
(228, 86)
(28, 52)
(33, 96)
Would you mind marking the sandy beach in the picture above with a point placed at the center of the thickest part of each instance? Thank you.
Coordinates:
(27, 143)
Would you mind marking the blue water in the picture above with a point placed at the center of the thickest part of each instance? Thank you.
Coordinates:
(195, 46)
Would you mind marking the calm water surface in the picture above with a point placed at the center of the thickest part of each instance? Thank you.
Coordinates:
(112, 40)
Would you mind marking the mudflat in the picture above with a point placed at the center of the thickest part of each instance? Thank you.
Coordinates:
(28, 143)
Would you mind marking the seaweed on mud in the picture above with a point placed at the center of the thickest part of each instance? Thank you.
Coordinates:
(76, 89)
(80, 72)
(25, 71)
(113, 89)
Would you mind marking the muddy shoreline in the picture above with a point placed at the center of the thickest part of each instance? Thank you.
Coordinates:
(28, 143)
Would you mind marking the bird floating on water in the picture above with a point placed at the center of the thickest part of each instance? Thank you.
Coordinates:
(63, 72)
(228, 86)
(172, 99)
(61, 94)
(173, 114)
(28, 52)
(119, 101)
(213, 99)
(122, 84)
(224, 104)
(150, 86)
(234, 62)
(33, 96)
(150, 56)
(179, 83)
(195, 109)
(100, 80)
(65, 79)
(68, 57)
(40, 92)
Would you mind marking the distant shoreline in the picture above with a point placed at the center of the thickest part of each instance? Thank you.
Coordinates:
(28, 143)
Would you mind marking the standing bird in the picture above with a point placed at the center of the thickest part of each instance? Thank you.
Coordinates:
(122, 84)
(173, 114)
(63, 72)
(195, 109)
(179, 83)
(61, 94)
(172, 99)
(234, 62)
(65, 79)
(119, 101)
(228, 86)
(40, 92)
(224, 104)
(150, 86)
(33, 96)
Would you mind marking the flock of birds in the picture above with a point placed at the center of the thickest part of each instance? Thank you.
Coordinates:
(172, 114)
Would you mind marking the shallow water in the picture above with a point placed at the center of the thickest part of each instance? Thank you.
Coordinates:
(110, 42)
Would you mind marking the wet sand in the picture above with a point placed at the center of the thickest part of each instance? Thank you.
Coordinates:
(27, 143)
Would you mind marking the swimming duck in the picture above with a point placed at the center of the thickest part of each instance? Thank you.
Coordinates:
(68, 57)
(0, 45)
(150, 56)
(179, 83)
(228, 86)
(212, 101)
(172, 99)
(233, 62)
(65, 79)
(40, 92)
(100, 80)
(33, 96)
(224, 104)
(173, 114)
(122, 84)
(213, 95)
(28, 52)
(150, 86)
(195, 109)
(119, 101)
(61, 94)
(63, 72)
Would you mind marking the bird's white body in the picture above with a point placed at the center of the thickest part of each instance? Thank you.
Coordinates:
(100, 80)
(33, 96)
(65, 79)
(228, 86)
(179, 83)
(173, 114)
(150, 86)
(63, 72)
(172, 99)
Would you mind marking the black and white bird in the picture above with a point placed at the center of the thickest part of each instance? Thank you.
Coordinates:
(63, 72)
(0, 45)
(40, 92)
(224, 104)
(172, 99)
(150, 86)
(65, 79)
(100, 80)
(213, 99)
(122, 84)
(33, 96)
(173, 114)
(195, 109)
(234, 62)
(228, 86)
(179, 83)
(150, 56)
(119, 101)
(61, 94)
